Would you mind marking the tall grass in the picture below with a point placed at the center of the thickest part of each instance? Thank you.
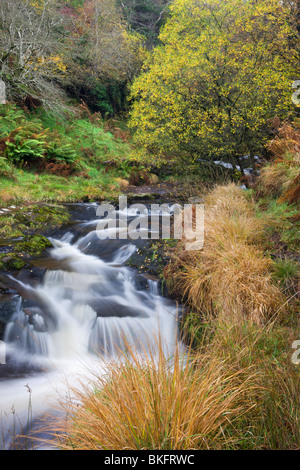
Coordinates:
(281, 177)
(239, 393)
(274, 423)
(230, 276)
(157, 404)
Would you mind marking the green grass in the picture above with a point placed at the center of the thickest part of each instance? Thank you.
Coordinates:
(30, 187)
(87, 137)
(280, 227)
(286, 271)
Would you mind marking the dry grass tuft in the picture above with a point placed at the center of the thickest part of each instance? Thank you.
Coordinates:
(275, 422)
(287, 142)
(231, 273)
(123, 184)
(154, 404)
(5, 196)
(281, 177)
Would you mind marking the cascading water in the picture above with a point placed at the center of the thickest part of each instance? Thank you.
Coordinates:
(86, 309)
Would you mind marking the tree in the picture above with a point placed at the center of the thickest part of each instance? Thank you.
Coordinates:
(220, 75)
(31, 38)
(103, 55)
(145, 17)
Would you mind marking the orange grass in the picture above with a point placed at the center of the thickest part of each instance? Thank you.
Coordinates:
(158, 404)
(231, 275)
(281, 176)
(275, 422)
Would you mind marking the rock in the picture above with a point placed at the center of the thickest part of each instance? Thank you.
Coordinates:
(7, 309)
(137, 197)
(2, 92)
(122, 183)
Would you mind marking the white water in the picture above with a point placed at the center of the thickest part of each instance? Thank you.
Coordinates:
(77, 318)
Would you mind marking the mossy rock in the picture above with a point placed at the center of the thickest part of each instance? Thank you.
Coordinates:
(32, 219)
(33, 245)
(11, 262)
(20, 254)
(50, 215)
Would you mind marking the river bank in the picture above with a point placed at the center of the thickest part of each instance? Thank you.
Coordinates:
(25, 224)
(241, 346)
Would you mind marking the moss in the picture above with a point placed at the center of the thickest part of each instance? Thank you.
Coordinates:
(21, 231)
(31, 219)
(11, 262)
(18, 255)
(52, 216)
(33, 245)
(152, 256)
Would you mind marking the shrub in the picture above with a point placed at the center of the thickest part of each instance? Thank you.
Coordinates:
(59, 151)
(25, 144)
(30, 144)
(10, 117)
(211, 87)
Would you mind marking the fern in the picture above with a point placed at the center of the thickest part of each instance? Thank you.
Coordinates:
(10, 117)
(25, 151)
(61, 152)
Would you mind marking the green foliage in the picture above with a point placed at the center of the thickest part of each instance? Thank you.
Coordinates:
(61, 152)
(194, 330)
(26, 141)
(102, 101)
(282, 226)
(36, 140)
(22, 141)
(64, 159)
(102, 94)
(6, 168)
(10, 116)
(286, 271)
(75, 3)
(94, 144)
(220, 75)
(22, 151)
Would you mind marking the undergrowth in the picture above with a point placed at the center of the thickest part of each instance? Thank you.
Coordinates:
(87, 156)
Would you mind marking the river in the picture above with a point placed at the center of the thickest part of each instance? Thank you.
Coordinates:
(85, 307)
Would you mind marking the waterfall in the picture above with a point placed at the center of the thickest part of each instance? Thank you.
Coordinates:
(86, 310)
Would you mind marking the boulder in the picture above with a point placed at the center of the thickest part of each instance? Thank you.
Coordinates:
(2, 92)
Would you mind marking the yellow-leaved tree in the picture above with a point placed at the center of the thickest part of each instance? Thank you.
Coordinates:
(223, 71)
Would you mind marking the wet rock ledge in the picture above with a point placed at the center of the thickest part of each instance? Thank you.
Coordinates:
(24, 231)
